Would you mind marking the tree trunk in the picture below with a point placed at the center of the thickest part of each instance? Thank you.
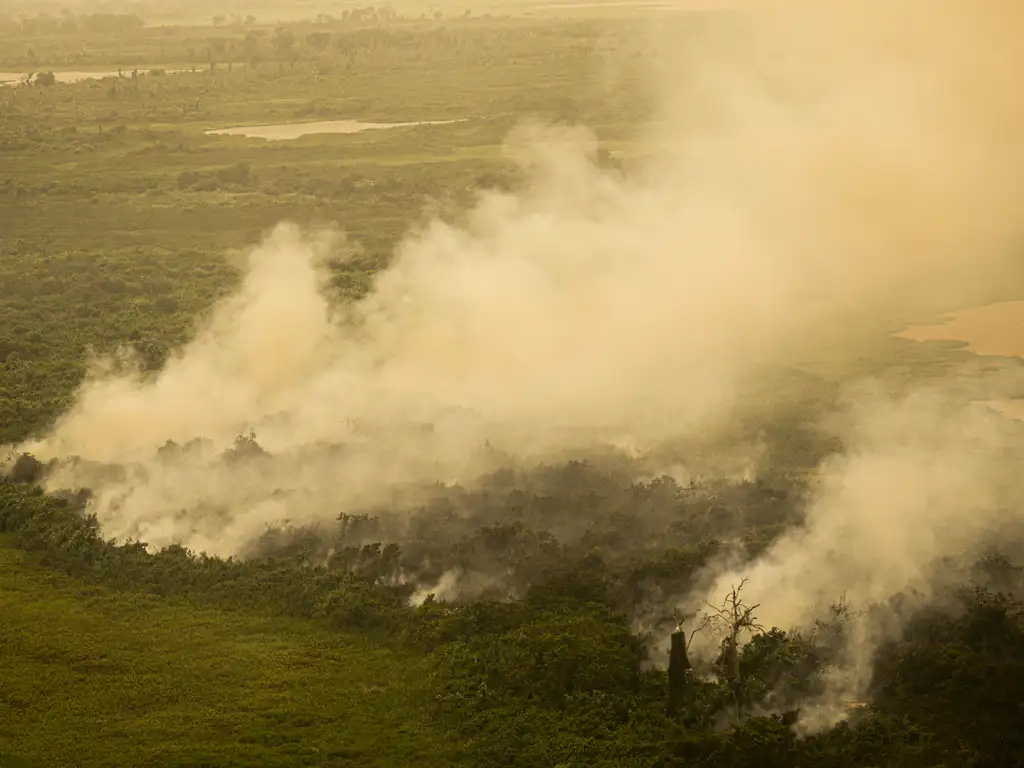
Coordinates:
(678, 673)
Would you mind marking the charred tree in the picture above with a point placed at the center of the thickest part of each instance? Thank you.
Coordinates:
(679, 668)
(678, 673)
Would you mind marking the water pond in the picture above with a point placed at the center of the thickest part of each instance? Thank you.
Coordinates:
(287, 131)
(994, 329)
(10, 78)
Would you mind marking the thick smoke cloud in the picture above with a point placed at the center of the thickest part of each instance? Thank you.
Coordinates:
(822, 174)
(925, 482)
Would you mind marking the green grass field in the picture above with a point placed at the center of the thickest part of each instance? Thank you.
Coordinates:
(100, 678)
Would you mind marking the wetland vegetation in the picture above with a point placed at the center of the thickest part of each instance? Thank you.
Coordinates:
(520, 614)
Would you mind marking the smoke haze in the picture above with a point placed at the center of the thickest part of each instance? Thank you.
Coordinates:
(924, 482)
(821, 175)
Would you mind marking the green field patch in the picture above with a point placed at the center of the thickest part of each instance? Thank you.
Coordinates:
(95, 677)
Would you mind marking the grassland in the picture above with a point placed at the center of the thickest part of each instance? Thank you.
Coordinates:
(118, 210)
(96, 677)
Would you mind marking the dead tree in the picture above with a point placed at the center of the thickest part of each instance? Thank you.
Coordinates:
(735, 618)
(679, 661)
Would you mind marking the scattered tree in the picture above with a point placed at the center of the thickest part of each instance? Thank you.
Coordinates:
(736, 619)
(27, 469)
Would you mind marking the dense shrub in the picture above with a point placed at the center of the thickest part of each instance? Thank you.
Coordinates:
(558, 678)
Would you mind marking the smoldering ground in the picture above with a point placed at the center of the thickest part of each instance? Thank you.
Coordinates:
(823, 173)
(923, 488)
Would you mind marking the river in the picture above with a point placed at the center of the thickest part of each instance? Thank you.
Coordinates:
(994, 329)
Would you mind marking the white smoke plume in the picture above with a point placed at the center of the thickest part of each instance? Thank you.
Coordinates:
(923, 479)
(823, 172)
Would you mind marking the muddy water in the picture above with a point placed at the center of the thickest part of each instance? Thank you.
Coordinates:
(9, 78)
(995, 329)
(649, 5)
(286, 131)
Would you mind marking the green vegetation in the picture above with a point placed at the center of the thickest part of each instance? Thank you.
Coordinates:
(117, 217)
(96, 677)
(118, 210)
(556, 678)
